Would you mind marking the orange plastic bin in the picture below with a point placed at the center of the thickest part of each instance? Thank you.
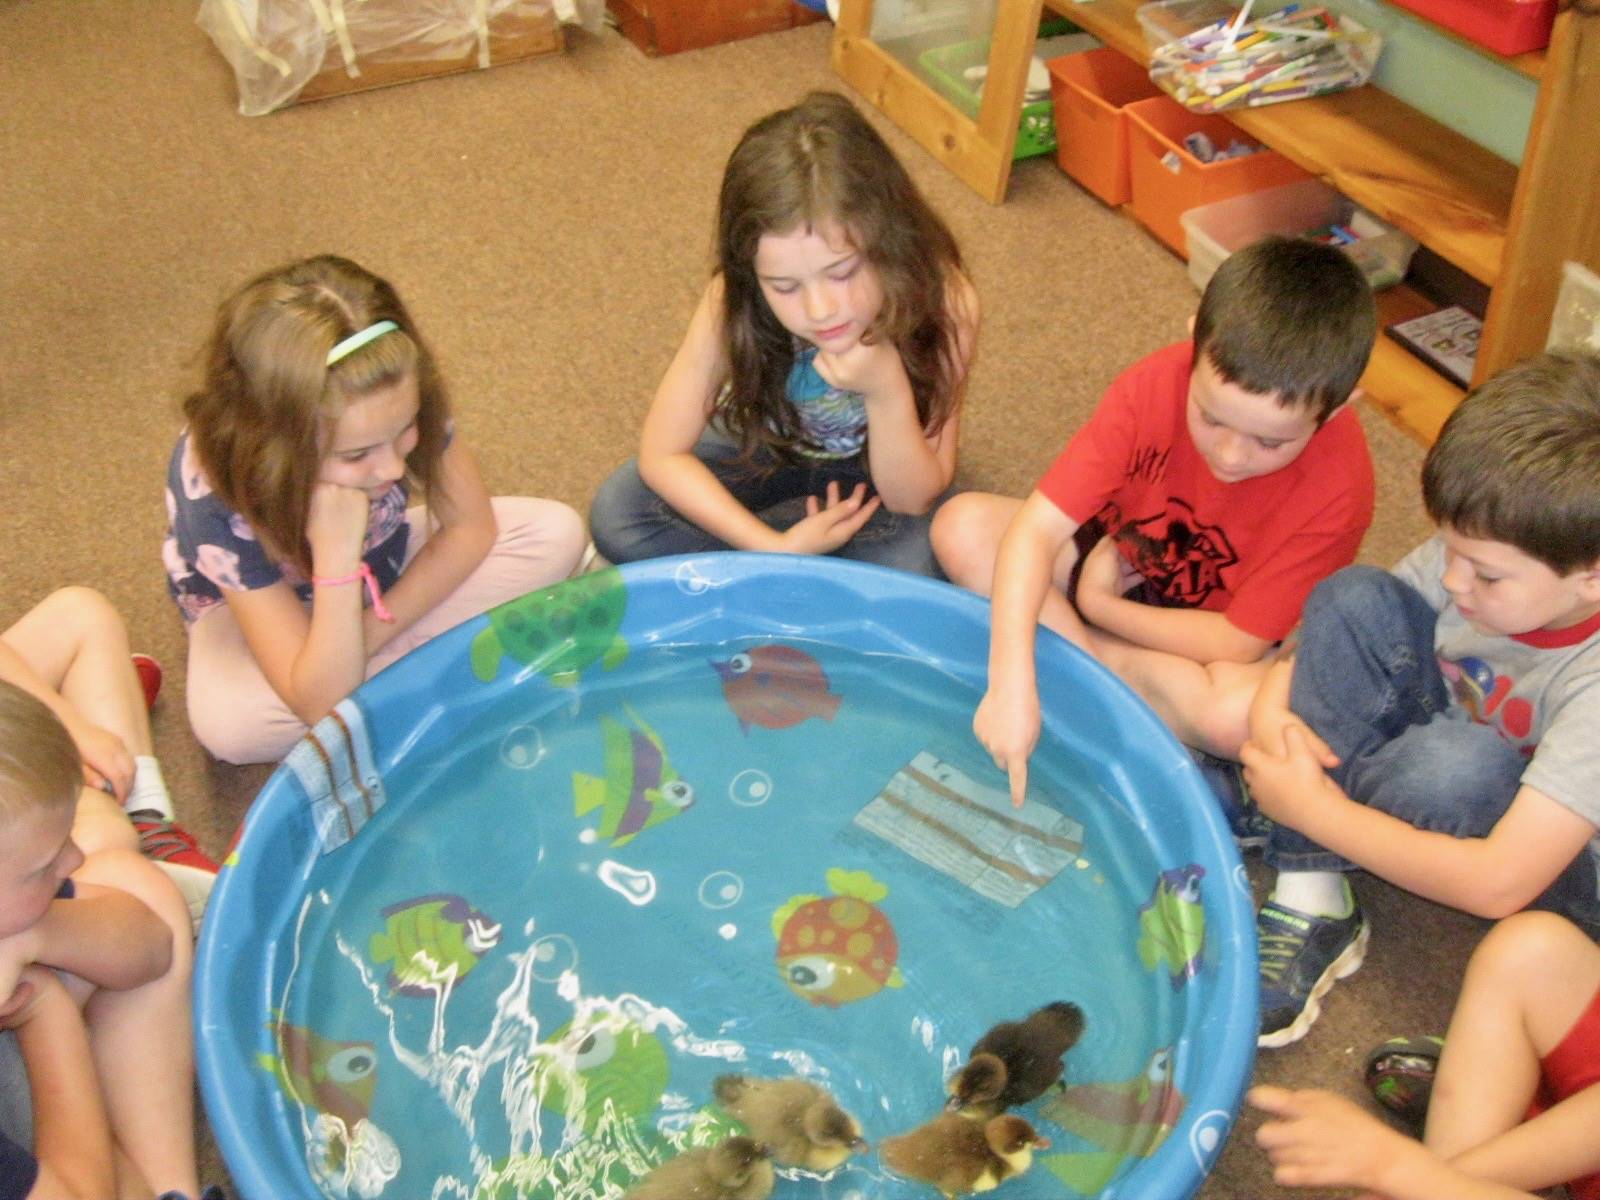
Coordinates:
(1089, 91)
(1167, 181)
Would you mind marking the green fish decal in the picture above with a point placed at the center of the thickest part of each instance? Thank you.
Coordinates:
(557, 630)
(621, 1067)
(639, 790)
(1172, 924)
(431, 940)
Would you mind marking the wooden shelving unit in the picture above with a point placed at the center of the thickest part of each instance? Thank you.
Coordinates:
(1511, 229)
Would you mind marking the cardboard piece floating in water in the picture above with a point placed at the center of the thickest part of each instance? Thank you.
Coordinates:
(970, 832)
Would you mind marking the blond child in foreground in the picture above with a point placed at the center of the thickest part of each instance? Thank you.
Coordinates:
(106, 1034)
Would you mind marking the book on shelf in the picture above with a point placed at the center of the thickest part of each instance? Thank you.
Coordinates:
(1447, 340)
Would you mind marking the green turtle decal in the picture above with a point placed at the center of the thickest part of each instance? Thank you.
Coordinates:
(558, 630)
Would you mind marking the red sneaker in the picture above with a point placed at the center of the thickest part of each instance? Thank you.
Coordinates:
(149, 672)
(173, 848)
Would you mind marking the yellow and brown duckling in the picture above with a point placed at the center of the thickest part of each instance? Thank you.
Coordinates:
(961, 1156)
(1016, 1061)
(801, 1122)
(738, 1168)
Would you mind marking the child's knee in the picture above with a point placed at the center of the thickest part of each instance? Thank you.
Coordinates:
(101, 824)
(963, 540)
(1351, 593)
(1526, 945)
(130, 872)
(86, 612)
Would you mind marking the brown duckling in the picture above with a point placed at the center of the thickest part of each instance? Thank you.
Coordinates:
(1016, 1061)
(959, 1156)
(801, 1122)
(738, 1168)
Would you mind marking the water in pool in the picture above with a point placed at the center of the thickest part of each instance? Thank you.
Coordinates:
(770, 858)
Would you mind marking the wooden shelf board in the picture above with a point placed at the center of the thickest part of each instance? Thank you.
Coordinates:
(1410, 392)
(1443, 189)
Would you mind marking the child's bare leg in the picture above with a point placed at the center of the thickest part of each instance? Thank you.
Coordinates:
(966, 537)
(1206, 705)
(143, 1038)
(76, 641)
(1526, 986)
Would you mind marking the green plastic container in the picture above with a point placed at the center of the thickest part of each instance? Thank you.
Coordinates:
(945, 67)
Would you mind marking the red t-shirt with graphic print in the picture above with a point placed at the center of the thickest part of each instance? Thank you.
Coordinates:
(1251, 550)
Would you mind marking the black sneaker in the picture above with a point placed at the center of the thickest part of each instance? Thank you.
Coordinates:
(1246, 822)
(1302, 956)
(1399, 1074)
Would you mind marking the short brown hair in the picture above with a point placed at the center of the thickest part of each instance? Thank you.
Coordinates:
(1290, 317)
(1519, 462)
(39, 762)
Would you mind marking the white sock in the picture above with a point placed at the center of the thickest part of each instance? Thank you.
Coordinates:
(149, 790)
(1315, 893)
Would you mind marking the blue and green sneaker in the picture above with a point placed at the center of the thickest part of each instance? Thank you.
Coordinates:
(1302, 956)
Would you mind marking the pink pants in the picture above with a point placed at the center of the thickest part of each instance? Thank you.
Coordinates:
(239, 718)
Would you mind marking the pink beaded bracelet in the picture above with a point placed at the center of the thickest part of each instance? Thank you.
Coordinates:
(364, 574)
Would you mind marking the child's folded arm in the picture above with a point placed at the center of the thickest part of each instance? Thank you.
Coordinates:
(105, 937)
(1491, 876)
(1556, 1146)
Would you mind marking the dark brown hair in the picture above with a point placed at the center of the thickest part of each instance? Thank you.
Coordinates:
(267, 402)
(1519, 462)
(1288, 317)
(818, 164)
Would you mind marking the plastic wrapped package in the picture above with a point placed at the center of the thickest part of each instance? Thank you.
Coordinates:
(282, 51)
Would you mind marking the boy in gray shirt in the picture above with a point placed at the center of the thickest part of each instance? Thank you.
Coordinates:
(1439, 725)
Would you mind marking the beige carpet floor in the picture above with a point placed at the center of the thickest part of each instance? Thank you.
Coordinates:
(549, 224)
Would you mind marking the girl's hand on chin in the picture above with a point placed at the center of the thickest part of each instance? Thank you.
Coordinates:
(336, 527)
(864, 367)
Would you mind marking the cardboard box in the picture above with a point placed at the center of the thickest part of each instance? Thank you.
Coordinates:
(668, 26)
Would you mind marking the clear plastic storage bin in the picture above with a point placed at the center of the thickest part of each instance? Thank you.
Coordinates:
(1215, 231)
(1209, 60)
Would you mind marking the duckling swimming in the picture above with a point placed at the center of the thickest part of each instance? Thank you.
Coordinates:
(736, 1169)
(800, 1121)
(1016, 1061)
(959, 1156)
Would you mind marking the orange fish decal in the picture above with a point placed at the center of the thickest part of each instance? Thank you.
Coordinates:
(334, 1077)
(838, 948)
(775, 686)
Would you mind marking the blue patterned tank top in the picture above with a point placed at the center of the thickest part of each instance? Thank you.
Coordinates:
(833, 421)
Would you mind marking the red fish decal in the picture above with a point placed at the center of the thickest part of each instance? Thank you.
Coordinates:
(775, 686)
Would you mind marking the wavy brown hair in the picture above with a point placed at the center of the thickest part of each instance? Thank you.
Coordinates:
(817, 164)
(262, 418)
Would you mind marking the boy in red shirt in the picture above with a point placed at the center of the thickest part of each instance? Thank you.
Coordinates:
(1216, 483)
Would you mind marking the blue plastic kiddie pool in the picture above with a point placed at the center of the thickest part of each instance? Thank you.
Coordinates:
(498, 923)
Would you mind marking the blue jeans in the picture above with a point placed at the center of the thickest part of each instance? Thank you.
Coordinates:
(629, 521)
(1366, 679)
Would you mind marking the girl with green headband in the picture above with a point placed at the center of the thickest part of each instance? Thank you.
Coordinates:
(292, 554)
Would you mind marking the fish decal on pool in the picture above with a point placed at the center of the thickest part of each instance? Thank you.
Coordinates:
(970, 832)
(337, 1078)
(559, 630)
(1172, 924)
(775, 686)
(1130, 1117)
(639, 790)
(621, 1066)
(431, 940)
(839, 948)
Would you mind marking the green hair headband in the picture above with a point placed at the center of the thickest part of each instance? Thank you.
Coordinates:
(359, 339)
